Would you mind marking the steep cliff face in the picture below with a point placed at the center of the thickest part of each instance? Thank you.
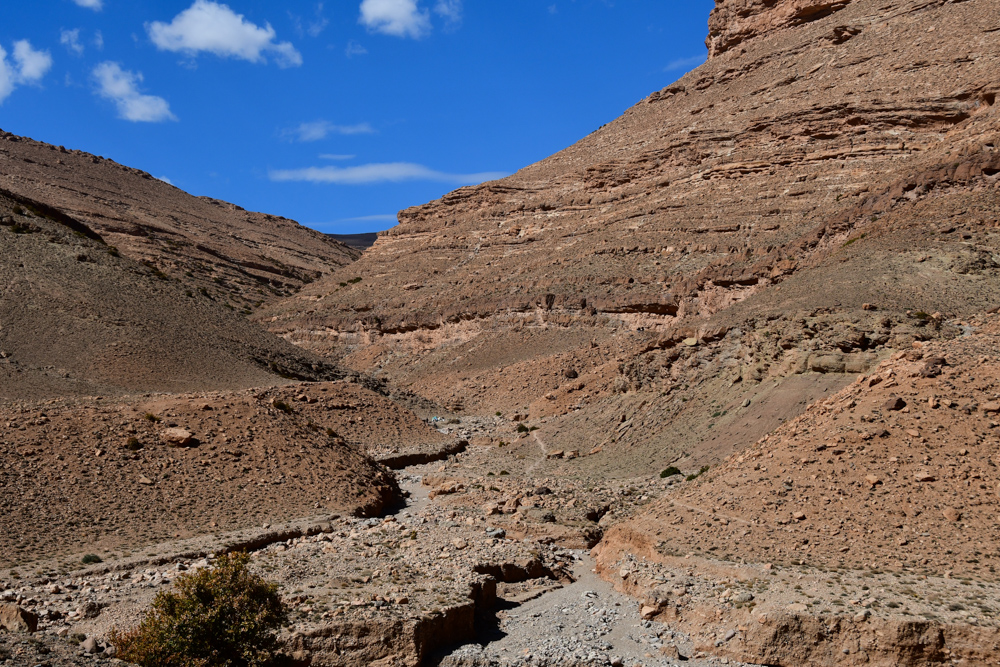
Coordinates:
(775, 190)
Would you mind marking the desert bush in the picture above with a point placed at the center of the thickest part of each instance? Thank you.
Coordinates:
(224, 616)
(670, 472)
(284, 407)
(90, 559)
(521, 428)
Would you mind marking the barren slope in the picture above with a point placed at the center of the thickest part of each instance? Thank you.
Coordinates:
(106, 475)
(237, 256)
(77, 318)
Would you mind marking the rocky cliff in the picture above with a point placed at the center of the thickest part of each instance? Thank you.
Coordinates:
(804, 201)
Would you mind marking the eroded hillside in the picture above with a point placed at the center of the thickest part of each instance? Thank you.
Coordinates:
(237, 256)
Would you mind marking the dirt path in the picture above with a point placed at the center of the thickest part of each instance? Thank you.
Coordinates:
(541, 459)
(584, 623)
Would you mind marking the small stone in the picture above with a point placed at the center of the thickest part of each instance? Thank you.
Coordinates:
(951, 514)
(177, 437)
(799, 516)
(894, 404)
(459, 543)
(990, 407)
(145, 480)
(89, 609)
(913, 433)
(691, 342)
(89, 645)
(872, 480)
(648, 612)
(924, 477)
(862, 616)
(729, 635)
(797, 608)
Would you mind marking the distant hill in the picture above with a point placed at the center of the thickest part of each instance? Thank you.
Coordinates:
(77, 317)
(356, 241)
(245, 258)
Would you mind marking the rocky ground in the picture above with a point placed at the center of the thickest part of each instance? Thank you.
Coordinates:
(110, 476)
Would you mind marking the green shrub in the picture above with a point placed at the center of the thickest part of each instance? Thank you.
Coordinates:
(150, 417)
(133, 444)
(521, 428)
(91, 559)
(284, 407)
(670, 472)
(224, 616)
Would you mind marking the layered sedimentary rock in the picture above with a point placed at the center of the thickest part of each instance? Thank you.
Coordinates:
(803, 202)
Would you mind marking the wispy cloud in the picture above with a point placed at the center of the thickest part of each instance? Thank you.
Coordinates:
(354, 49)
(400, 18)
(165, 180)
(29, 67)
(122, 87)
(393, 172)
(314, 27)
(450, 11)
(215, 28)
(96, 5)
(71, 40)
(331, 156)
(321, 129)
(685, 63)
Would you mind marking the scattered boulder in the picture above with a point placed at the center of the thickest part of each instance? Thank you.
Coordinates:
(894, 404)
(17, 620)
(177, 437)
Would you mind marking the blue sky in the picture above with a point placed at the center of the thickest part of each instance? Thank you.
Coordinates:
(339, 113)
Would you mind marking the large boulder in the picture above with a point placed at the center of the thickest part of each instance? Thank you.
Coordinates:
(17, 620)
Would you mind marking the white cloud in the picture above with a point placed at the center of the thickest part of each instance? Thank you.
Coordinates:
(685, 63)
(215, 28)
(7, 76)
(32, 64)
(321, 129)
(330, 156)
(29, 66)
(394, 172)
(99, 40)
(400, 18)
(96, 5)
(450, 11)
(165, 180)
(122, 87)
(71, 40)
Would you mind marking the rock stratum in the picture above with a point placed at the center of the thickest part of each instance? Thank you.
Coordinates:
(804, 201)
